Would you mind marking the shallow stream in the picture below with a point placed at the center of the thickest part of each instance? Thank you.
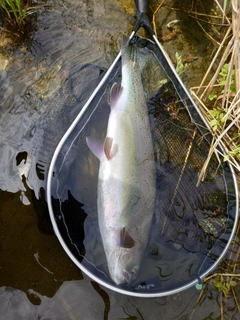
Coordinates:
(40, 85)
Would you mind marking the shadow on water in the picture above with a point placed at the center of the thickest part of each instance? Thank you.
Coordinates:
(40, 90)
(30, 259)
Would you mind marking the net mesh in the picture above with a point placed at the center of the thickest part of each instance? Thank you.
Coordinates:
(192, 224)
(192, 216)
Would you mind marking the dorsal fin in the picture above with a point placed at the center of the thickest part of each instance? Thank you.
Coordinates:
(126, 241)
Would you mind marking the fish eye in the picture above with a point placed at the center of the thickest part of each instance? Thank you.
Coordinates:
(134, 272)
(133, 40)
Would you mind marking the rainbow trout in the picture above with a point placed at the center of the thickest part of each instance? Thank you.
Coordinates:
(126, 180)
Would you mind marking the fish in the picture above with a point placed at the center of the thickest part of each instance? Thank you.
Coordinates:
(127, 175)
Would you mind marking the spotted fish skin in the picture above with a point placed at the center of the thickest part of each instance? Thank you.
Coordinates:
(126, 181)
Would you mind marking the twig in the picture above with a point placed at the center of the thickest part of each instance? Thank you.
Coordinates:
(208, 35)
(213, 61)
(221, 304)
(180, 176)
(235, 275)
(223, 12)
(154, 17)
(213, 148)
(198, 301)
(235, 299)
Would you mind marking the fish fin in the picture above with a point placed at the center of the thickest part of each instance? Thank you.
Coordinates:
(125, 240)
(96, 146)
(109, 148)
(116, 91)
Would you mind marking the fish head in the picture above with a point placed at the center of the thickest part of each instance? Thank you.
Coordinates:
(133, 55)
(124, 266)
(124, 259)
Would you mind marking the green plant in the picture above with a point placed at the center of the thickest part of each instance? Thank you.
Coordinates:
(212, 96)
(223, 78)
(218, 118)
(15, 9)
(181, 67)
(222, 82)
(16, 21)
(223, 284)
(235, 152)
(224, 9)
(227, 82)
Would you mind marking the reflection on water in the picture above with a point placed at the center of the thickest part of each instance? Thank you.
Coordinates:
(86, 300)
(36, 107)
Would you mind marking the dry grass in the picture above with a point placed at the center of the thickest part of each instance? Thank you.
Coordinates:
(223, 116)
(226, 133)
(223, 113)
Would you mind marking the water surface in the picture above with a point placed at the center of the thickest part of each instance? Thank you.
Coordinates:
(38, 102)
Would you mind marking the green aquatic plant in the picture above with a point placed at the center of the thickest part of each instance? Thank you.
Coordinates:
(227, 285)
(223, 284)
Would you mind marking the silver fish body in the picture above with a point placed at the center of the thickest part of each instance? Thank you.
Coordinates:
(126, 181)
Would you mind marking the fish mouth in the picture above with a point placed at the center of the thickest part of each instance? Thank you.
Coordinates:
(126, 277)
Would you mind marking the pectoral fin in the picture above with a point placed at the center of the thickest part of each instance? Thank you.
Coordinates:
(116, 91)
(125, 240)
(96, 146)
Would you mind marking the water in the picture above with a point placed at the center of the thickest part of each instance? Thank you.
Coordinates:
(182, 244)
(37, 278)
